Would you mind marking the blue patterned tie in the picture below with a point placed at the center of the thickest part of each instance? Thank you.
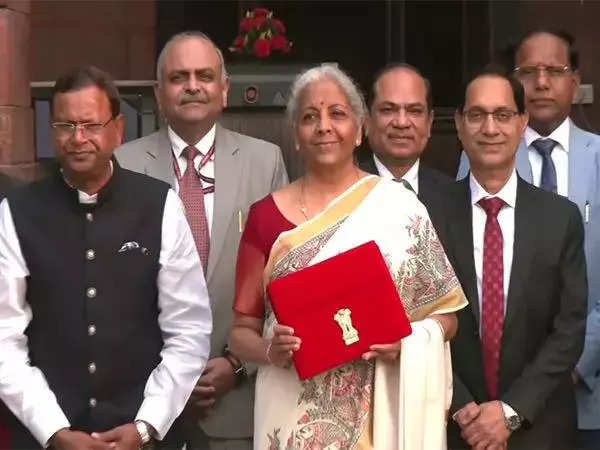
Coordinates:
(544, 147)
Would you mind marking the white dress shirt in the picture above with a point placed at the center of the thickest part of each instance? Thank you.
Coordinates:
(506, 220)
(184, 319)
(411, 175)
(203, 146)
(560, 155)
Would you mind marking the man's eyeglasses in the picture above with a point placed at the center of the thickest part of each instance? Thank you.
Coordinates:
(88, 129)
(477, 116)
(530, 72)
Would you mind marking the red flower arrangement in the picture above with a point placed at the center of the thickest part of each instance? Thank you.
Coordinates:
(261, 34)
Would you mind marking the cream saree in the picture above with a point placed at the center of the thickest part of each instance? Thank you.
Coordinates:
(335, 410)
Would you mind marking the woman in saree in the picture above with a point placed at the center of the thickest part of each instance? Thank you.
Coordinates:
(333, 208)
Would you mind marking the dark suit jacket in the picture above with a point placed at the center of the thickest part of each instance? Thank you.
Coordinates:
(545, 315)
(6, 183)
(431, 182)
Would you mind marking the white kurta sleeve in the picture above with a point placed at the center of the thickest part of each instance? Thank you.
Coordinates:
(185, 321)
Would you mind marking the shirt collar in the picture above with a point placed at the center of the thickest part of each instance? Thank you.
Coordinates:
(560, 135)
(203, 145)
(84, 197)
(412, 175)
(508, 193)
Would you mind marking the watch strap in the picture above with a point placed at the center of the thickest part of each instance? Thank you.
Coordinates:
(143, 431)
(239, 369)
(511, 418)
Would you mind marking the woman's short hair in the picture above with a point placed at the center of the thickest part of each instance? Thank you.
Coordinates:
(332, 73)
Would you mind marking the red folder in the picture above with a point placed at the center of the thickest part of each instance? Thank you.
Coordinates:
(339, 308)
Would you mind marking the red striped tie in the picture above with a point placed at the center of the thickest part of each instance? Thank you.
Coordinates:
(192, 196)
(492, 305)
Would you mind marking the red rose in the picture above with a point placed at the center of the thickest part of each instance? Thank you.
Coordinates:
(262, 48)
(238, 42)
(260, 12)
(278, 25)
(279, 42)
(246, 24)
(258, 22)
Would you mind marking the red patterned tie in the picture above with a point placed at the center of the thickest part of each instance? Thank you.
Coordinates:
(192, 196)
(492, 309)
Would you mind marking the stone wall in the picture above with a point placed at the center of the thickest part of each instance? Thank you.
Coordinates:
(17, 156)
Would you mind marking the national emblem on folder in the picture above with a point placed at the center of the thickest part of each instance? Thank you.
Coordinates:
(339, 308)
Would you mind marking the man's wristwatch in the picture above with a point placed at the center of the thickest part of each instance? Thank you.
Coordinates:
(511, 418)
(239, 370)
(143, 431)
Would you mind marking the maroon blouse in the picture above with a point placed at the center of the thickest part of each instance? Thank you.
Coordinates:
(264, 224)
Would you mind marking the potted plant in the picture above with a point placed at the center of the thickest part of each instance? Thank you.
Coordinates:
(261, 35)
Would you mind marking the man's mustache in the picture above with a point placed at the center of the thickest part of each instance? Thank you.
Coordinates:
(189, 98)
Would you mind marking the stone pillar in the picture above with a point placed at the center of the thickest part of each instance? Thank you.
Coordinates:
(17, 151)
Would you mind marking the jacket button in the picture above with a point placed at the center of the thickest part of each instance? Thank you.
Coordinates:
(93, 402)
(90, 254)
(92, 330)
(90, 292)
(92, 367)
(89, 217)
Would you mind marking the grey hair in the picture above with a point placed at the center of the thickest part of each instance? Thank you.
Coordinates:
(186, 35)
(327, 72)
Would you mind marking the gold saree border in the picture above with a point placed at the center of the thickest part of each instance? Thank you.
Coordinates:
(448, 303)
(341, 207)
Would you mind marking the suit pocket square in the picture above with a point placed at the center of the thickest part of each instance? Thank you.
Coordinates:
(127, 246)
(133, 245)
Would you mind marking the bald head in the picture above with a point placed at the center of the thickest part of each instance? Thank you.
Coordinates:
(183, 36)
(192, 85)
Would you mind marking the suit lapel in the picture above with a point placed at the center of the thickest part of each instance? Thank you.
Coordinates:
(582, 167)
(524, 243)
(427, 184)
(366, 162)
(522, 162)
(159, 159)
(228, 174)
(428, 192)
(460, 233)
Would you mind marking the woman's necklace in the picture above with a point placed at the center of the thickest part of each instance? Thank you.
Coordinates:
(303, 208)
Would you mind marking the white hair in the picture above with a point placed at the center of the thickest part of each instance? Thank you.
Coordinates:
(186, 35)
(327, 72)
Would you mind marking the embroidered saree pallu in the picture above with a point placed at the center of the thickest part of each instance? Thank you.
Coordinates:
(362, 405)
(339, 308)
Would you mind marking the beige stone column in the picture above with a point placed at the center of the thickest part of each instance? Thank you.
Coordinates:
(17, 152)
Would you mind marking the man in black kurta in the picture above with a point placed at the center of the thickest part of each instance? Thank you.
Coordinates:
(104, 314)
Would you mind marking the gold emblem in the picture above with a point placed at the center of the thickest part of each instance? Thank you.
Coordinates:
(344, 320)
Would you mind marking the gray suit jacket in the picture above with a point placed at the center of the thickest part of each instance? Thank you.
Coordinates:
(246, 170)
(584, 189)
